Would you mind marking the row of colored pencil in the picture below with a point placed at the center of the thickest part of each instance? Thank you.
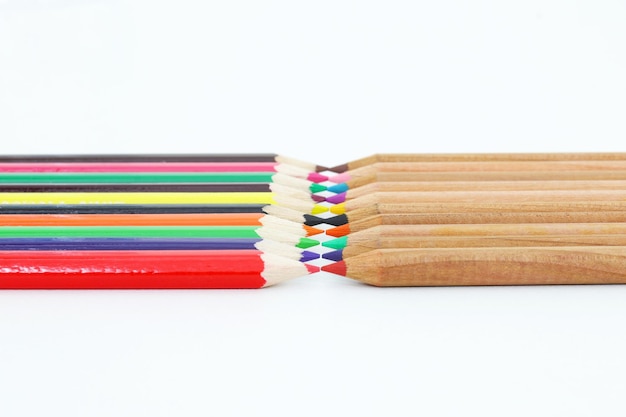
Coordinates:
(477, 219)
(152, 221)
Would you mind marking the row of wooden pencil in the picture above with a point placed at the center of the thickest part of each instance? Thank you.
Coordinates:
(491, 219)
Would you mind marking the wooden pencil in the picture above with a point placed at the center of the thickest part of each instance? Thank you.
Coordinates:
(462, 235)
(482, 197)
(117, 244)
(555, 216)
(475, 157)
(486, 266)
(370, 175)
(445, 186)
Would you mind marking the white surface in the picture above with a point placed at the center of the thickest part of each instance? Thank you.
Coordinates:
(248, 76)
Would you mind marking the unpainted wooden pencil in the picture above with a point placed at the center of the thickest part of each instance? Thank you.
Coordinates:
(472, 157)
(486, 266)
(369, 175)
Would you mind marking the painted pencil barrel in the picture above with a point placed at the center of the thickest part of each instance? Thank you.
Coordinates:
(176, 157)
(134, 178)
(136, 219)
(64, 209)
(137, 167)
(131, 269)
(135, 244)
(136, 198)
(137, 188)
(130, 231)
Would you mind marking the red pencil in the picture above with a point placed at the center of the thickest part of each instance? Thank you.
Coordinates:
(193, 269)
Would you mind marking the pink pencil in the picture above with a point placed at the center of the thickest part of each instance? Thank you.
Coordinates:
(139, 167)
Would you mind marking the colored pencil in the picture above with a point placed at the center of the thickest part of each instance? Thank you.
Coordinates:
(497, 217)
(64, 158)
(136, 198)
(157, 269)
(108, 167)
(370, 175)
(486, 266)
(463, 235)
(482, 197)
(130, 231)
(123, 219)
(445, 186)
(474, 157)
(59, 209)
(137, 188)
(135, 244)
(135, 177)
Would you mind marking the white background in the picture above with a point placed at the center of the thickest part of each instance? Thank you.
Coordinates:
(326, 82)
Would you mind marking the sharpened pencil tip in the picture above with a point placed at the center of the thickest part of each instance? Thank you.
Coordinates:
(338, 188)
(315, 177)
(338, 208)
(339, 243)
(317, 188)
(312, 268)
(339, 178)
(339, 231)
(334, 256)
(312, 231)
(318, 198)
(317, 209)
(308, 256)
(337, 198)
(305, 243)
(338, 268)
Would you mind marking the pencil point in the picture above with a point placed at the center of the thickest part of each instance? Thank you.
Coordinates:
(308, 256)
(312, 268)
(338, 209)
(339, 231)
(335, 256)
(318, 198)
(317, 209)
(337, 198)
(338, 268)
(339, 243)
(312, 231)
(317, 188)
(344, 177)
(305, 243)
(315, 177)
(338, 188)
(311, 220)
